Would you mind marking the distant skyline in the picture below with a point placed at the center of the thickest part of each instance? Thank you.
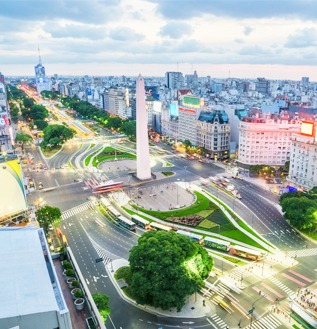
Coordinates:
(275, 39)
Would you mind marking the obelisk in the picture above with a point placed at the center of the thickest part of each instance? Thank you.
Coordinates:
(143, 169)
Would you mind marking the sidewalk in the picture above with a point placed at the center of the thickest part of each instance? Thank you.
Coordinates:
(192, 309)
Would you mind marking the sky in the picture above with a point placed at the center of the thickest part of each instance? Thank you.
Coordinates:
(275, 39)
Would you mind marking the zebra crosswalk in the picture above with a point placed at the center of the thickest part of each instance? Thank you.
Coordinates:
(239, 273)
(219, 322)
(76, 210)
(282, 286)
(267, 322)
(302, 252)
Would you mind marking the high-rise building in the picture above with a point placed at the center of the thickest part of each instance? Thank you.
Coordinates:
(174, 80)
(305, 80)
(143, 168)
(42, 82)
(263, 86)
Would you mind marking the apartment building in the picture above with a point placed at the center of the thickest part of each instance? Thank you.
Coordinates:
(266, 140)
(303, 160)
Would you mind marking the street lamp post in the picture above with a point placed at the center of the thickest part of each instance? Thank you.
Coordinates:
(177, 203)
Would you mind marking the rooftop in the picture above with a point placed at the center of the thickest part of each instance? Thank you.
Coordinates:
(25, 283)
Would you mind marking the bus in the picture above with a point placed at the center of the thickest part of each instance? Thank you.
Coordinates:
(105, 203)
(113, 212)
(107, 187)
(140, 221)
(216, 243)
(160, 227)
(194, 237)
(247, 253)
(126, 223)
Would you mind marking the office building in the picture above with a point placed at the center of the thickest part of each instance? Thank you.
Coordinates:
(42, 82)
(303, 159)
(174, 80)
(213, 133)
(263, 86)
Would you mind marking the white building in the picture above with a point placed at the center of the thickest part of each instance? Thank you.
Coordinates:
(31, 296)
(303, 160)
(266, 141)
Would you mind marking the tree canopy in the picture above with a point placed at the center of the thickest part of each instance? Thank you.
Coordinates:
(22, 139)
(47, 216)
(128, 128)
(165, 268)
(300, 208)
(56, 135)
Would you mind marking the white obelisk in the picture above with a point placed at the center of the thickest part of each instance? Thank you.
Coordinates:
(143, 169)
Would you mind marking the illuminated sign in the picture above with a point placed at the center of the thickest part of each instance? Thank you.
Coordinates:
(192, 101)
(183, 109)
(307, 128)
(174, 110)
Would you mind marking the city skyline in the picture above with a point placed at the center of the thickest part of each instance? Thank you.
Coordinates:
(245, 39)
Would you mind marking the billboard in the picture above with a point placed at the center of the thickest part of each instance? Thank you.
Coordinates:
(192, 101)
(173, 110)
(307, 128)
(12, 194)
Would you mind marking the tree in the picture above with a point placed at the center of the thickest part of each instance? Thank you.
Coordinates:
(57, 131)
(300, 211)
(22, 139)
(129, 128)
(47, 216)
(101, 302)
(114, 122)
(41, 124)
(165, 268)
(38, 112)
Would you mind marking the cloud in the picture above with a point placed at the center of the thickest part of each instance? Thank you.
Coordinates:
(125, 34)
(247, 30)
(254, 50)
(301, 39)
(176, 30)
(76, 31)
(184, 9)
(94, 11)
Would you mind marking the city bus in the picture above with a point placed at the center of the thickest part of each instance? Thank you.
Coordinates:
(194, 237)
(141, 222)
(126, 223)
(160, 227)
(113, 212)
(247, 253)
(216, 243)
(105, 203)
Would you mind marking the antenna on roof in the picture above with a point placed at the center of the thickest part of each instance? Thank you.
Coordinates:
(40, 60)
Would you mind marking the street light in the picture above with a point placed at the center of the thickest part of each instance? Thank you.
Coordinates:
(185, 167)
(177, 203)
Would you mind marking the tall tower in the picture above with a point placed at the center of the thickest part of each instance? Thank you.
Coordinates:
(42, 83)
(143, 169)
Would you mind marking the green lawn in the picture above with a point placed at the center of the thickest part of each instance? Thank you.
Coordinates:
(50, 152)
(109, 153)
(216, 218)
(87, 160)
(201, 203)
(168, 173)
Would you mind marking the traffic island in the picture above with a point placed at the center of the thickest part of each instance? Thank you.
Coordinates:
(196, 306)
